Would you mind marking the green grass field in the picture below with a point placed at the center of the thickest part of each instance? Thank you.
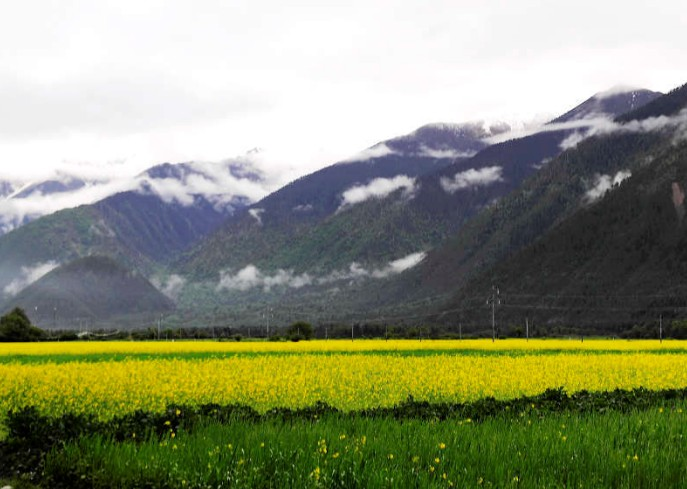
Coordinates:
(636, 449)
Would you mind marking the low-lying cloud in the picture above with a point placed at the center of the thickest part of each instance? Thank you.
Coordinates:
(378, 189)
(251, 277)
(256, 214)
(472, 178)
(29, 275)
(218, 182)
(606, 126)
(223, 184)
(170, 286)
(356, 271)
(444, 153)
(603, 183)
(597, 125)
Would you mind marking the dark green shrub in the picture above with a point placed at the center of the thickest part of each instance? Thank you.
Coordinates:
(300, 330)
(16, 326)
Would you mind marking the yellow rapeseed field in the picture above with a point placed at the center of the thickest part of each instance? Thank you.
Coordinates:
(153, 347)
(350, 376)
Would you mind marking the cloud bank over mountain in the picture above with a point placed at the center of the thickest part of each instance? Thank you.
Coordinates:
(472, 178)
(28, 276)
(378, 189)
(251, 277)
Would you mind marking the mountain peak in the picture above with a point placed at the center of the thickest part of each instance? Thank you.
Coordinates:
(479, 129)
(444, 139)
(613, 102)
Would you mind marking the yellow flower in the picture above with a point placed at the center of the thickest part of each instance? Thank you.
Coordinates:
(442, 446)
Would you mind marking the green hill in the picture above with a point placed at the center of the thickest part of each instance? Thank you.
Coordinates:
(91, 291)
(140, 231)
(619, 262)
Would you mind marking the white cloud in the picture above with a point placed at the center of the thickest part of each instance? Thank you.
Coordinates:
(251, 277)
(218, 182)
(615, 90)
(87, 81)
(356, 271)
(573, 140)
(472, 178)
(28, 276)
(401, 265)
(444, 153)
(171, 286)
(378, 189)
(596, 123)
(14, 211)
(303, 208)
(377, 151)
(256, 213)
(603, 183)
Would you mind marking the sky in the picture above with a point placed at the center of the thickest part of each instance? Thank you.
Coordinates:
(114, 87)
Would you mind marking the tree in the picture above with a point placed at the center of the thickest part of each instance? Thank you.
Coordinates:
(16, 326)
(299, 330)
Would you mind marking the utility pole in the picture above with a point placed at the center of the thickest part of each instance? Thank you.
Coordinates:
(527, 329)
(460, 331)
(660, 328)
(494, 299)
(159, 327)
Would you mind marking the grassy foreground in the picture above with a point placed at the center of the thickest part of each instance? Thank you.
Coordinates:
(636, 449)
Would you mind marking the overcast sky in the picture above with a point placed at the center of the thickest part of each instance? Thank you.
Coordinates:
(128, 84)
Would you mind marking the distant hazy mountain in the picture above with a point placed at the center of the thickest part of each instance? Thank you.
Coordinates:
(90, 292)
(173, 207)
(613, 102)
(230, 184)
(48, 187)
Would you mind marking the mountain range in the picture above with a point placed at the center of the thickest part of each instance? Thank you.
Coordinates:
(414, 229)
